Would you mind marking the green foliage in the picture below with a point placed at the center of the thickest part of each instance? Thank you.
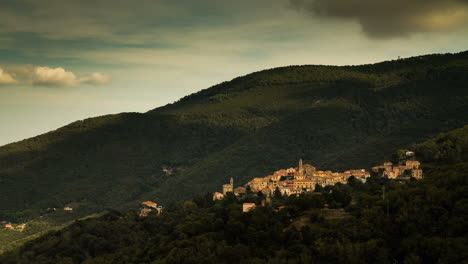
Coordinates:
(335, 117)
(451, 147)
(417, 222)
(399, 156)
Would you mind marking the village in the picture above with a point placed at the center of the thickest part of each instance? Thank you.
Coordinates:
(305, 178)
(292, 181)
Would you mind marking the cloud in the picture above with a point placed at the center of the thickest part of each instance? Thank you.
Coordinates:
(6, 78)
(392, 18)
(121, 21)
(49, 77)
(96, 79)
(53, 77)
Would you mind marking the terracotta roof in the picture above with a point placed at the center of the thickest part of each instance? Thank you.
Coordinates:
(150, 204)
(258, 179)
(303, 180)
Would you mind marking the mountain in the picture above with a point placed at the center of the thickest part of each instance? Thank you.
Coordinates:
(420, 221)
(333, 117)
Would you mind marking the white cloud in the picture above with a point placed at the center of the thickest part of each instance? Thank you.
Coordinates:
(6, 78)
(49, 77)
(96, 79)
(56, 77)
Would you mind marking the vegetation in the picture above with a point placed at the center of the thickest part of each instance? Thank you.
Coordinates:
(413, 222)
(333, 117)
(11, 239)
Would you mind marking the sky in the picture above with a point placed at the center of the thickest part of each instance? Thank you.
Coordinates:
(66, 60)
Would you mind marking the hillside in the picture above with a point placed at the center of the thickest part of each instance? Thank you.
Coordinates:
(333, 117)
(415, 222)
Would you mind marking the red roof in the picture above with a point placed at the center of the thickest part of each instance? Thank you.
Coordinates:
(303, 180)
(150, 204)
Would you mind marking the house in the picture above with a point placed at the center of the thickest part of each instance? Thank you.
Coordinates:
(149, 204)
(361, 173)
(21, 227)
(402, 169)
(240, 191)
(247, 207)
(167, 170)
(68, 208)
(218, 196)
(280, 173)
(299, 177)
(391, 174)
(258, 184)
(412, 164)
(417, 174)
(147, 207)
(291, 171)
(289, 190)
(304, 184)
(275, 177)
(144, 212)
(9, 226)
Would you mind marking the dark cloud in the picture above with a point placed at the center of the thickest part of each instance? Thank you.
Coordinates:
(390, 18)
(121, 21)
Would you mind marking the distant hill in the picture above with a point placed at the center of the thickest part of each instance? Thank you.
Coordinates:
(332, 117)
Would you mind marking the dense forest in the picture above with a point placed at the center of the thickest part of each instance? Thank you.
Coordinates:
(380, 221)
(333, 117)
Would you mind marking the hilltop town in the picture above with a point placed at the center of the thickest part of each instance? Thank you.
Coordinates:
(306, 178)
(292, 181)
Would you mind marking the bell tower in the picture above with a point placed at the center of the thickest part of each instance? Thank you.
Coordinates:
(228, 187)
(301, 168)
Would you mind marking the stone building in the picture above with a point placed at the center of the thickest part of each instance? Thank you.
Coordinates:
(417, 174)
(218, 196)
(228, 187)
(247, 207)
(309, 170)
(240, 191)
(304, 184)
(412, 164)
(148, 206)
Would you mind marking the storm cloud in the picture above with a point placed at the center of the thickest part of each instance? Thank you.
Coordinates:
(392, 18)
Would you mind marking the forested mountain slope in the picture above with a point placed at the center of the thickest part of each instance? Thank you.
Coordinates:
(333, 117)
(420, 221)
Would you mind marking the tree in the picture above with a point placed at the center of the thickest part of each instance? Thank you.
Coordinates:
(318, 188)
(277, 194)
(399, 156)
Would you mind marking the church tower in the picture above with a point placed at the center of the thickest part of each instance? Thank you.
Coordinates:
(228, 187)
(301, 168)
